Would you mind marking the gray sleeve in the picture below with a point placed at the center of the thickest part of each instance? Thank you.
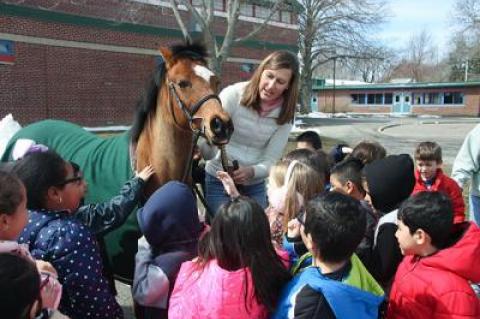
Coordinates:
(467, 161)
(150, 284)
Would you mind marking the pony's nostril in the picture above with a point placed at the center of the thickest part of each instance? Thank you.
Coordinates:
(221, 130)
(216, 126)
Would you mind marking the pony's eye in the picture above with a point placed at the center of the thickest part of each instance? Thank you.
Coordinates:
(184, 84)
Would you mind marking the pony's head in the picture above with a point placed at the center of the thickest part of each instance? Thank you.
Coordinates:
(192, 93)
(185, 88)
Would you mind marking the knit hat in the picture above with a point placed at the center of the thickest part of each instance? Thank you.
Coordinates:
(390, 181)
(170, 216)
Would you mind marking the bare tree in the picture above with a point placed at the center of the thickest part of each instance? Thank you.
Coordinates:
(331, 30)
(373, 65)
(464, 55)
(203, 15)
(421, 52)
(467, 14)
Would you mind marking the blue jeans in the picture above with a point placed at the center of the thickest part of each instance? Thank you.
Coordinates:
(474, 202)
(215, 194)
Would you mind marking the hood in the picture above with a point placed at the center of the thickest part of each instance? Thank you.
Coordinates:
(390, 181)
(463, 256)
(170, 216)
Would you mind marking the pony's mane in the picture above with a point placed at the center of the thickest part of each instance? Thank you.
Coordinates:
(148, 102)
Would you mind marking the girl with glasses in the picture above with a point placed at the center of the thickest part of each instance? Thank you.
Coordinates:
(55, 235)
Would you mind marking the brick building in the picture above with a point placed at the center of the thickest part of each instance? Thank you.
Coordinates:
(452, 99)
(88, 61)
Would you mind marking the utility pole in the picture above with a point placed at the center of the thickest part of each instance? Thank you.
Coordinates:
(466, 70)
(334, 80)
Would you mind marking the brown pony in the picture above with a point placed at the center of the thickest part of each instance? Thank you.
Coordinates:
(180, 102)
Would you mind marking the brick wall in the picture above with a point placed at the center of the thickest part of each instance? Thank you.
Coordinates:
(92, 87)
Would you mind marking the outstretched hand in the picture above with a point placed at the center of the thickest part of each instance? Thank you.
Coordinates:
(146, 172)
(293, 228)
(228, 184)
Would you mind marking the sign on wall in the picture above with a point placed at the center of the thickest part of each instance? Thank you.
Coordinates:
(7, 52)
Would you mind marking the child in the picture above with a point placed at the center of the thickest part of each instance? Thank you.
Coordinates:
(290, 183)
(387, 183)
(13, 218)
(20, 288)
(433, 279)
(309, 140)
(368, 151)
(55, 235)
(346, 178)
(430, 177)
(318, 160)
(170, 226)
(237, 274)
(337, 285)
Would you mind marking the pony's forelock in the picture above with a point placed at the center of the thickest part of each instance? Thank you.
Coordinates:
(196, 51)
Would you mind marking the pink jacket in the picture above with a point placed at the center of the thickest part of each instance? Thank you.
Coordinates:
(213, 293)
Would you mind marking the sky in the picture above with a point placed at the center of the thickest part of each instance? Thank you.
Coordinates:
(412, 16)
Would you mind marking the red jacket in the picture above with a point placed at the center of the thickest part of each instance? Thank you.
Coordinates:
(438, 286)
(449, 187)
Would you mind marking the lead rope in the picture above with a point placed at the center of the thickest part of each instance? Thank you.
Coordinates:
(188, 172)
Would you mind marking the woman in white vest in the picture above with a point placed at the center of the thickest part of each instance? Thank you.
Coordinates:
(262, 111)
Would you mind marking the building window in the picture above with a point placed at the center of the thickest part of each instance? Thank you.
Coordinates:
(354, 98)
(388, 98)
(431, 98)
(286, 16)
(417, 98)
(362, 99)
(219, 5)
(453, 98)
(262, 12)
(379, 98)
(371, 98)
(246, 10)
(397, 98)
(457, 98)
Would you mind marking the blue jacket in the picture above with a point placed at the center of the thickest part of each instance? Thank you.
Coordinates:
(358, 296)
(59, 238)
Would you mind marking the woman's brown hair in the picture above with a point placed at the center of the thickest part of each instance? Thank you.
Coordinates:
(275, 61)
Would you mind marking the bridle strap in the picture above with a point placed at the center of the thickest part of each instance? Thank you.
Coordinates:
(204, 99)
(189, 114)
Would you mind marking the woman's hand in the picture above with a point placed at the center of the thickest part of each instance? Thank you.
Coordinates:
(146, 172)
(228, 184)
(243, 174)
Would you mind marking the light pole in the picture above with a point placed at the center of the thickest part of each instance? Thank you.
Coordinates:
(466, 70)
(334, 82)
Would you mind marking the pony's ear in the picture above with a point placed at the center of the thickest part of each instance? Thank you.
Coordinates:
(167, 55)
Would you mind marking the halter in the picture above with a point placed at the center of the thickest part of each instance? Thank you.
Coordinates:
(189, 114)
